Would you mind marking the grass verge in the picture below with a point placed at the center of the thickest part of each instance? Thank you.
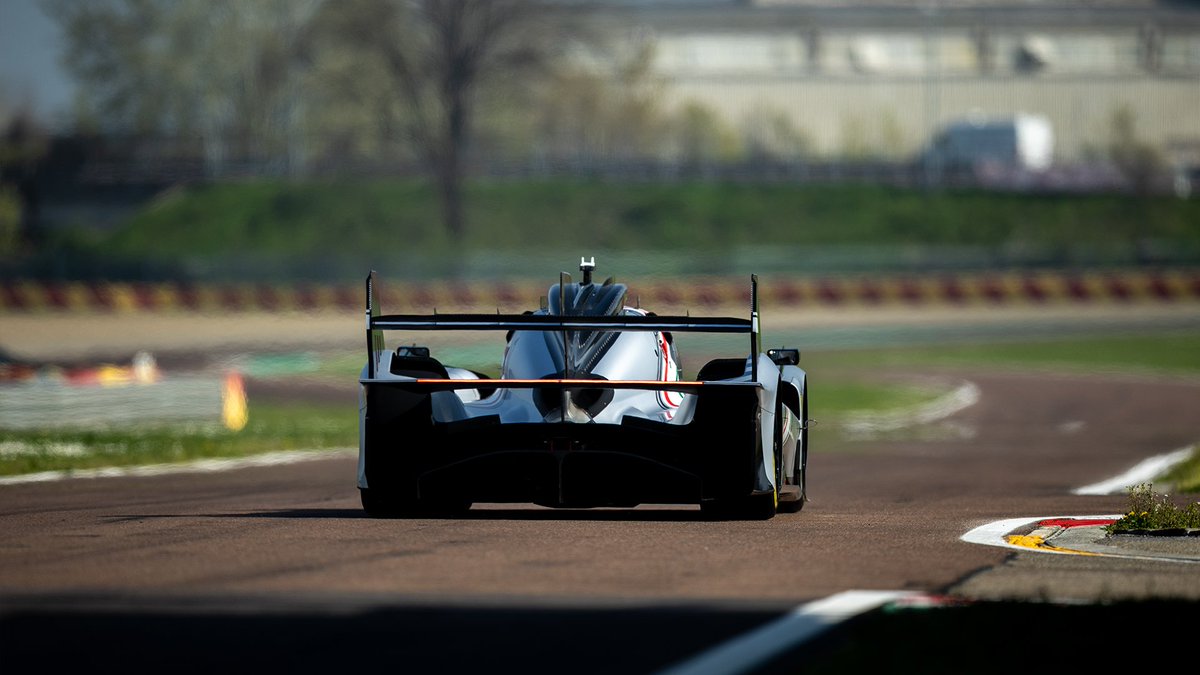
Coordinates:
(270, 427)
(1176, 353)
(328, 228)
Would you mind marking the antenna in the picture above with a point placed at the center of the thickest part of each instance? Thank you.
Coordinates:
(586, 266)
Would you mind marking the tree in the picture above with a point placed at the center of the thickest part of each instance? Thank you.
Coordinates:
(226, 71)
(605, 103)
(704, 138)
(1138, 160)
(22, 146)
(771, 134)
(441, 55)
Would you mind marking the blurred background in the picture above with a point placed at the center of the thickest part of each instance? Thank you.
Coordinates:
(288, 141)
(193, 191)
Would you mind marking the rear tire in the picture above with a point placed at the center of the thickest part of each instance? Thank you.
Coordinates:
(800, 471)
(795, 475)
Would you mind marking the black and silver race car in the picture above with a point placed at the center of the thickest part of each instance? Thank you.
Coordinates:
(590, 410)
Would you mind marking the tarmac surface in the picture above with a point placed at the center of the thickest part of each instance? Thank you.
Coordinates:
(278, 562)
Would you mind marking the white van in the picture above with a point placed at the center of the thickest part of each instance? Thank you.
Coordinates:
(1019, 142)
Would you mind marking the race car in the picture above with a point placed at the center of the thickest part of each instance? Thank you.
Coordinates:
(590, 409)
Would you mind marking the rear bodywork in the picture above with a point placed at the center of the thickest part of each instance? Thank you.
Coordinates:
(590, 410)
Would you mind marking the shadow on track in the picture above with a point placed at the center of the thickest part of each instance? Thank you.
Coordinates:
(238, 635)
(206, 634)
(618, 515)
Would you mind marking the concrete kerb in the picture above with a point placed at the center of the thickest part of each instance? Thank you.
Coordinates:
(1095, 540)
(1084, 535)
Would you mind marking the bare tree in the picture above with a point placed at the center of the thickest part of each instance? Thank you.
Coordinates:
(1138, 160)
(440, 55)
(606, 103)
(22, 145)
(223, 70)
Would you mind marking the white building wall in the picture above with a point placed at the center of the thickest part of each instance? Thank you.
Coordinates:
(908, 110)
(886, 81)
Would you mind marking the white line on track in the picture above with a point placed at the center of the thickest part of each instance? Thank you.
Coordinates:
(196, 466)
(1145, 471)
(748, 651)
(965, 395)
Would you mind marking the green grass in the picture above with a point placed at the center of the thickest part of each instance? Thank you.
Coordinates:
(1159, 353)
(835, 399)
(304, 229)
(1185, 476)
(270, 427)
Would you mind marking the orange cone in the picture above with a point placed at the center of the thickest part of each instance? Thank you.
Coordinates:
(234, 411)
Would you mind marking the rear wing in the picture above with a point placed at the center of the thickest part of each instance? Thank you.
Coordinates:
(378, 323)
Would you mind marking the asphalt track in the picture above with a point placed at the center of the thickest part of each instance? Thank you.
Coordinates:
(275, 568)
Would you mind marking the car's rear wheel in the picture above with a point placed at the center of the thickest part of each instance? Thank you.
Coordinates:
(800, 470)
(793, 492)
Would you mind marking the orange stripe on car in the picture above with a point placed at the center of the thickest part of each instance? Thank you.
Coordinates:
(586, 383)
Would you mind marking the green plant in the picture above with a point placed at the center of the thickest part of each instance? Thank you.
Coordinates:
(1149, 510)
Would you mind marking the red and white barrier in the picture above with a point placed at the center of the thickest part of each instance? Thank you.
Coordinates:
(983, 288)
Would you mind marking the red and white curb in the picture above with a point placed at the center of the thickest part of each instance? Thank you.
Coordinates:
(954, 289)
(1042, 538)
(999, 533)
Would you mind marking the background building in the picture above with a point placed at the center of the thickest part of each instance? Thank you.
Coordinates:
(795, 89)
(880, 79)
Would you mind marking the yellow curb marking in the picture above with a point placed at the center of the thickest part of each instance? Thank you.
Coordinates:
(1034, 541)
(1028, 541)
